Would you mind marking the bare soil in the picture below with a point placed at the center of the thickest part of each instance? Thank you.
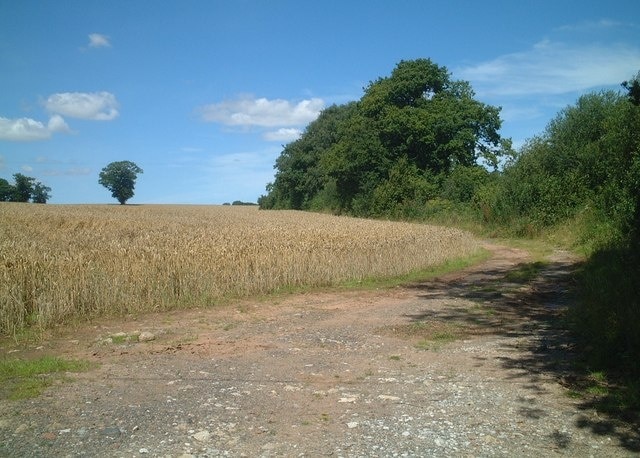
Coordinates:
(475, 363)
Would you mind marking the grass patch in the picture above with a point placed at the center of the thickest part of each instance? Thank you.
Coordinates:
(119, 339)
(525, 273)
(23, 379)
(419, 275)
(429, 335)
(437, 340)
(123, 338)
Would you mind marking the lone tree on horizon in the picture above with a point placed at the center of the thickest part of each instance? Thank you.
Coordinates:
(120, 178)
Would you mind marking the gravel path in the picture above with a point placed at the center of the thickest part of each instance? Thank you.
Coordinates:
(468, 365)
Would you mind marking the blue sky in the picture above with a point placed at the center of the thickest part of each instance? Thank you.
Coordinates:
(203, 94)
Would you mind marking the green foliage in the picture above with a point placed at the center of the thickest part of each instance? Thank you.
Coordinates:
(6, 190)
(404, 193)
(301, 176)
(24, 189)
(464, 182)
(120, 178)
(633, 89)
(608, 317)
(40, 194)
(586, 157)
(584, 170)
(386, 154)
(242, 204)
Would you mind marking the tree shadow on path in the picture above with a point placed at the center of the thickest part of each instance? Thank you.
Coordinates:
(527, 304)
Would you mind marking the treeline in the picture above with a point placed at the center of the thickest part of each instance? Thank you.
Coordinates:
(583, 173)
(417, 145)
(24, 189)
(241, 203)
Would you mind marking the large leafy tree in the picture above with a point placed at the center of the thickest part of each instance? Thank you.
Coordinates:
(120, 178)
(421, 113)
(41, 193)
(23, 187)
(417, 121)
(301, 177)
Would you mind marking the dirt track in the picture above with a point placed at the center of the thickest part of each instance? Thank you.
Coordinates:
(471, 364)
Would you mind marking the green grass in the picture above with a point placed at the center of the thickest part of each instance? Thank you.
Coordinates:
(119, 339)
(419, 275)
(525, 273)
(123, 338)
(23, 379)
(435, 336)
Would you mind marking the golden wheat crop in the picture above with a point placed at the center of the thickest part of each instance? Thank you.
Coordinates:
(58, 261)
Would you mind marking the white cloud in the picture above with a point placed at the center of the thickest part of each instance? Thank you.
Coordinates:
(74, 171)
(57, 124)
(27, 129)
(284, 134)
(27, 168)
(553, 68)
(520, 112)
(96, 106)
(591, 26)
(97, 40)
(250, 111)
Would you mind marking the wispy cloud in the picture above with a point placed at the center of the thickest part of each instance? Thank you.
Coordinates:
(589, 26)
(27, 129)
(97, 40)
(553, 68)
(284, 134)
(73, 171)
(95, 106)
(250, 111)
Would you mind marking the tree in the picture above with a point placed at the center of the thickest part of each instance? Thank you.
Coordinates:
(40, 194)
(633, 89)
(300, 177)
(23, 188)
(418, 121)
(6, 191)
(422, 113)
(120, 178)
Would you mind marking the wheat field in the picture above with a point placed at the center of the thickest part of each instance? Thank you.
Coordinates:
(64, 262)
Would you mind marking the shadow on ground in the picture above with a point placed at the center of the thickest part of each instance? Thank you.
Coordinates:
(528, 303)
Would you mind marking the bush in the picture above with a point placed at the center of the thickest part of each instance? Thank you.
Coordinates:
(608, 318)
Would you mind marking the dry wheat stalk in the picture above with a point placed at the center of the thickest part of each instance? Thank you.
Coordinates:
(59, 261)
